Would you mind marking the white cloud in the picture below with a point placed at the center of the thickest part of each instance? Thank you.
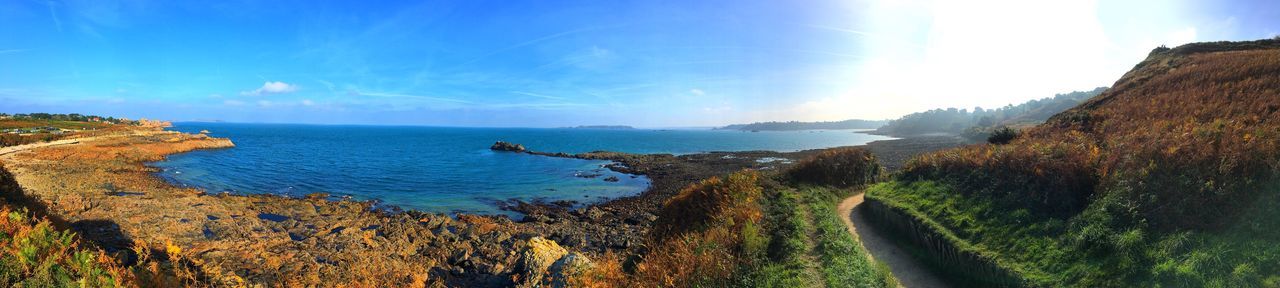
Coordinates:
(265, 103)
(698, 92)
(308, 102)
(272, 87)
(233, 103)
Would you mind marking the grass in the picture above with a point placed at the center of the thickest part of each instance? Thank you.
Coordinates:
(37, 255)
(746, 230)
(31, 123)
(844, 262)
(790, 246)
(1168, 179)
(1081, 252)
(810, 247)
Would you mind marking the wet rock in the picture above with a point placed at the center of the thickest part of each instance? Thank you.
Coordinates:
(594, 213)
(611, 179)
(272, 217)
(565, 203)
(536, 218)
(506, 146)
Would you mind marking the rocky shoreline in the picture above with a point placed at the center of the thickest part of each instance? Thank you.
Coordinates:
(103, 189)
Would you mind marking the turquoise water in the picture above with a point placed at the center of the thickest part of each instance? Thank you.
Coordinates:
(446, 169)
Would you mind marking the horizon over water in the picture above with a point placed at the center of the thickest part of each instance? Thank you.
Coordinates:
(448, 169)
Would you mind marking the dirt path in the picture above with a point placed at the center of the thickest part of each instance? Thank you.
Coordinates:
(910, 273)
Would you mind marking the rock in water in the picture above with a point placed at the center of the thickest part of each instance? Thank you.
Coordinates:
(505, 146)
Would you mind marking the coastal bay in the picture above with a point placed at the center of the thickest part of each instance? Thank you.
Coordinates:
(102, 188)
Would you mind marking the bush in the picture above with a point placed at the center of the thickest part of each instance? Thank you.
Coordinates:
(702, 238)
(1053, 179)
(840, 167)
(36, 254)
(1002, 135)
(712, 202)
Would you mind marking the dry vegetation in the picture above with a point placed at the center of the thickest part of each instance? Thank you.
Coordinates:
(748, 230)
(1145, 179)
(702, 237)
(840, 167)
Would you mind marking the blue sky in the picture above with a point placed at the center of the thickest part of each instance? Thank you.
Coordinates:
(558, 63)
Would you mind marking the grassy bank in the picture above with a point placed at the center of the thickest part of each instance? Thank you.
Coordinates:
(755, 230)
(1079, 252)
(810, 247)
(1168, 180)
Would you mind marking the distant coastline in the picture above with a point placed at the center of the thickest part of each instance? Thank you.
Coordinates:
(796, 125)
(611, 127)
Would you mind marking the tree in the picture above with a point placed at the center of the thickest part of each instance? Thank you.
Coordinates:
(1002, 135)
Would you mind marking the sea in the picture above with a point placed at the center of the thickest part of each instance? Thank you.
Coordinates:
(449, 169)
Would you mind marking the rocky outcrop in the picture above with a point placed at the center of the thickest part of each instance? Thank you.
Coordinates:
(543, 262)
(507, 146)
(536, 259)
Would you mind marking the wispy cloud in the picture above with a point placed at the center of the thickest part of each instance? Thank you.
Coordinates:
(53, 14)
(271, 87)
(8, 51)
(398, 95)
(698, 92)
(525, 43)
(535, 106)
(543, 96)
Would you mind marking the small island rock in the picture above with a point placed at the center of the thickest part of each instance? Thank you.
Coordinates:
(505, 146)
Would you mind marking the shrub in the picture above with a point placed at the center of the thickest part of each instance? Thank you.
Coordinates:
(701, 239)
(840, 167)
(1168, 179)
(1053, 179)
(1002, 135)
(710, 203)
(36, 254)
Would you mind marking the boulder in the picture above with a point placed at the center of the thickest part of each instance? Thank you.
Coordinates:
(507, 146)
(571, 265)
(545, 264)
(536, 260)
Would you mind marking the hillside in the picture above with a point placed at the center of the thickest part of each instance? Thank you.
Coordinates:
(978, 123)
(795, 125)
(1170, 178)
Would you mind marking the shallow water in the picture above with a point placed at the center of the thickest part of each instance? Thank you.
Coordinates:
(445, 169)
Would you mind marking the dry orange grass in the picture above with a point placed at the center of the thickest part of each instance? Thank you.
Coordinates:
(1192, 133)
(699, 238)
(840, 167)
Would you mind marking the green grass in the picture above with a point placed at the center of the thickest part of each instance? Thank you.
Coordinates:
(809, 246)
(31, 123)
(844, 262)
(1094, 248)
(37, 255)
